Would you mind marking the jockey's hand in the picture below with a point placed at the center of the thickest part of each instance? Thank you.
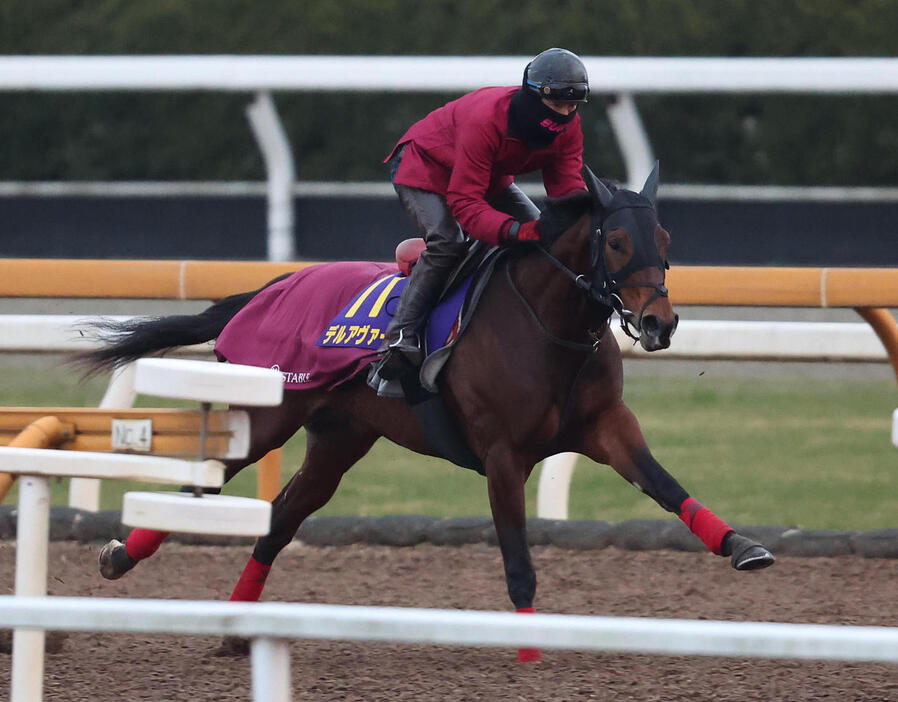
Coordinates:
(523, 231)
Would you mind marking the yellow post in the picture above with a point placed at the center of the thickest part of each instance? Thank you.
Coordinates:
(886, 329)
(268, 482)
(45, 432)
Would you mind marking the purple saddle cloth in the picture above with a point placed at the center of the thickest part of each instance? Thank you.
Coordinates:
(323, 325)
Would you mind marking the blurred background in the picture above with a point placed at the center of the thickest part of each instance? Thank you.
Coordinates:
(85, 142)
(786, 179)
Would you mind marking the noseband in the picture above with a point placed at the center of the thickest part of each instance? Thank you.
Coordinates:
(603, 286)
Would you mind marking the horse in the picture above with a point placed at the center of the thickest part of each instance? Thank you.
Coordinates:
(537, 372)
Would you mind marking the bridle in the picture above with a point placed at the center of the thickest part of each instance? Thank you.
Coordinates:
(602, 286)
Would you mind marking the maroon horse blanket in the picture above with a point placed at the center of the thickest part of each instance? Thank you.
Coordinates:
(292, 325)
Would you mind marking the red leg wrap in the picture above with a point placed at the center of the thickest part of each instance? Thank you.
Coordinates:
(704, 524)
(142, 543)
(252, 580)
(528, 655)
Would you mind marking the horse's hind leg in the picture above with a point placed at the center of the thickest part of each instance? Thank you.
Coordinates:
(618, 441)
(270, 427)
(334, 444)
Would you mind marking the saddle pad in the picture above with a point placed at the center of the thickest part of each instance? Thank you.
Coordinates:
(323, 325)
(362, 323)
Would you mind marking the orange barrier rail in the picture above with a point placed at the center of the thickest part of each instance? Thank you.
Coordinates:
(172, 280)
(210, 280)
(784, 287)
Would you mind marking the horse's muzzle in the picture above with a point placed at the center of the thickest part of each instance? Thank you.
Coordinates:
(655, 334)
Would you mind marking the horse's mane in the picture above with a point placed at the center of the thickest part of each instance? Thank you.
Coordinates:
(562, 213)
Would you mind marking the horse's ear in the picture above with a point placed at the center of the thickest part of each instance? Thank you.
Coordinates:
(650, 189)
(597, 188)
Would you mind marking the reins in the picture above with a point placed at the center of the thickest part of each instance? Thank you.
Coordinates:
(565, 343)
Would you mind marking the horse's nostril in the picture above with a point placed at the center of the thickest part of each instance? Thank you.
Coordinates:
(650, 324)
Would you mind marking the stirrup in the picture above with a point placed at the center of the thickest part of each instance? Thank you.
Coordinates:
(400, 357)
(409, 346)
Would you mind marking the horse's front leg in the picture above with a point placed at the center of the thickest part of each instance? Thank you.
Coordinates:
(506, 474)
(618, 441)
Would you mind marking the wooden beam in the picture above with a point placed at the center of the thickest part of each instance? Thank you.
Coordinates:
(175, 433)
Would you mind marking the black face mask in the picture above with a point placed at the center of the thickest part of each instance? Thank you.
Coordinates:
(534, 122)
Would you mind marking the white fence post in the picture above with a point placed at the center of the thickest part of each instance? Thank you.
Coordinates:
(271, 669)
(632, 139)
(278, 158)
(32, 545)
(554, 486)
(84, 493)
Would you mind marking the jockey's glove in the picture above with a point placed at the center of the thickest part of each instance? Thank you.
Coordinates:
(523, 231)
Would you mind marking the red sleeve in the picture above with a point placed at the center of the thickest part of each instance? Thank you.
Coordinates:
(475, 149)
(565, 174)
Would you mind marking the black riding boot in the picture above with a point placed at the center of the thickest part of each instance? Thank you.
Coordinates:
(403, 345)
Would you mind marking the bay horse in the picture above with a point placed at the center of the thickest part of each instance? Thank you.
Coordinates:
(537, 372)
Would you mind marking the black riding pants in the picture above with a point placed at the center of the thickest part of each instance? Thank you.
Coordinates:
(435, 223)
(445, 248)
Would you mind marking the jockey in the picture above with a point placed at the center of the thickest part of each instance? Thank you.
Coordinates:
(454, 174)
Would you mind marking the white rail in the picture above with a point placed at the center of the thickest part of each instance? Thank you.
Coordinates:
(270, 625)
(822, 341)
(58, 333)
(351, 189)
(282, 620)
(442, 73)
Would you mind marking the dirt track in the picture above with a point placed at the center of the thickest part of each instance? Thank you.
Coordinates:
(845, 590)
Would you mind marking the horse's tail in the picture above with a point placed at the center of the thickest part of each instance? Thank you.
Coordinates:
(126, 341)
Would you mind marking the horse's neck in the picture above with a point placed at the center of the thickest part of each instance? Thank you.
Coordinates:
(558, 302)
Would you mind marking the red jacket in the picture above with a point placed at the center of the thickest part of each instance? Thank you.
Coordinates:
(462, 150)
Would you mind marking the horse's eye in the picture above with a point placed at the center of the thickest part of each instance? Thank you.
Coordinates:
(614, 244)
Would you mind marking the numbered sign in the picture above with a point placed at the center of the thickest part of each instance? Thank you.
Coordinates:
(132, 434)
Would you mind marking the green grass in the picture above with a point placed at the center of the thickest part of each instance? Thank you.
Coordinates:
(812, 453)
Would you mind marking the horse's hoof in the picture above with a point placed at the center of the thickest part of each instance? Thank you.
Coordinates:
(749, 555)
(114, 560)
(232, 647)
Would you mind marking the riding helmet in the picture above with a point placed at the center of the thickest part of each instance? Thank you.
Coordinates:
(557, 74)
